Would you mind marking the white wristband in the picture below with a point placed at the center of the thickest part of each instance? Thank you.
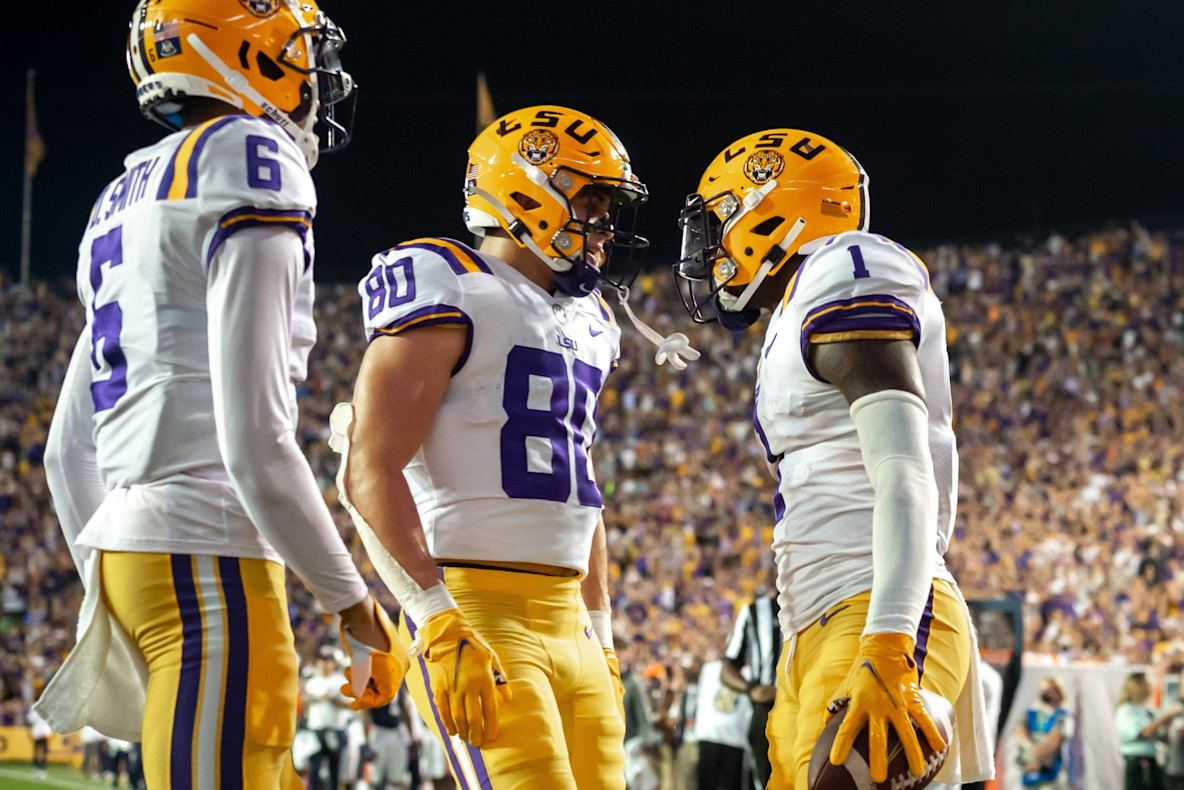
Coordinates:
(421, 606)
(602, 625)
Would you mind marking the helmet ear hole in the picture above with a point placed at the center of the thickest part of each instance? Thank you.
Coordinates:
(268, 67)
(525, 201)
(767, 227)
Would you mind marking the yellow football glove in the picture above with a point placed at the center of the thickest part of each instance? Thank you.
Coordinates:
(883, 689)
(466, 676)
(374, 675)
(614, 669)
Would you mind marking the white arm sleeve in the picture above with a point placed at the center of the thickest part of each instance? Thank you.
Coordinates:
(252, 288)
(893, 428)
(71, 466)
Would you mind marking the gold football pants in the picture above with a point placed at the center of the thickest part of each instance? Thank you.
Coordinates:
(561, 729)
(823, 656)
(222, 670)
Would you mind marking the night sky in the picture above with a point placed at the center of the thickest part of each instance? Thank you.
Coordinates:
(973, 121)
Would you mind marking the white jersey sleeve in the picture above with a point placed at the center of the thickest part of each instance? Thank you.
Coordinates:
(416, 284)
(850, 290)
(247, 172)
(857, 286)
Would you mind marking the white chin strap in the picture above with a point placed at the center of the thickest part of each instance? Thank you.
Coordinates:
(735, 304)
(308, 142)
(525, 239)
(674, 348)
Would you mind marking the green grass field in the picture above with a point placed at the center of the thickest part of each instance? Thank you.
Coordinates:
(19, 776)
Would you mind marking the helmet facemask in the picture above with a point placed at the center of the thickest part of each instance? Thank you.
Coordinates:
(704, 269)
(336, 93)
(577, 271)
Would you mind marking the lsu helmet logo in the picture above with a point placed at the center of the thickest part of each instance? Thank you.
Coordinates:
(261, 8)
(763, 165)
(538, 146)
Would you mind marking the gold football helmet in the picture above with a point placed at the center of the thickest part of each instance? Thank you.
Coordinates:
(524, 171)
(763, 199)
(272, 58)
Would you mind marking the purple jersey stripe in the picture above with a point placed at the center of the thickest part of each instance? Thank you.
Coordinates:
(923, 629)
(234, 703)
(605, 312)
(412, 629)
(874, 312)
(454, 262)
(166, 181)
(433, 315)
(254, 217)
(778, 499)
(191, 189)
(189, 682)
(470, 255)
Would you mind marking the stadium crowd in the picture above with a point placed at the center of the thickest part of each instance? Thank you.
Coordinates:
(1067, 371)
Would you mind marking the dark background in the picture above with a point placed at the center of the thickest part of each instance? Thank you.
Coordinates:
(974, 121)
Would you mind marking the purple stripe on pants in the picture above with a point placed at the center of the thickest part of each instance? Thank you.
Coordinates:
(412, 629)
(922, 648)
(238, 647)
(189, 682)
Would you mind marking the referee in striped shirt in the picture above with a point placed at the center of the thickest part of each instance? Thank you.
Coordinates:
(750, 667)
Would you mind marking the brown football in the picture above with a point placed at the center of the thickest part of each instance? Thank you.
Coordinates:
(855, 774)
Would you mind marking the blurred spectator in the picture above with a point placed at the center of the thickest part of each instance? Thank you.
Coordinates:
(40, 733)
(390, 741)
(722, 716)
(1042, 735)
(1139, 727)
(750, 667)
(323, 704)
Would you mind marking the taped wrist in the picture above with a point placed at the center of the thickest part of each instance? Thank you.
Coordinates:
(602, 625)
(418, 603)
(893, 429)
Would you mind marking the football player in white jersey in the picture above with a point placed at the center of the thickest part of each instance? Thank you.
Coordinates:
(466, 455)
(172, 456)
(853, 408)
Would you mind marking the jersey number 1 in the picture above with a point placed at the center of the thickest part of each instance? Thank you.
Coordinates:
(860, 267)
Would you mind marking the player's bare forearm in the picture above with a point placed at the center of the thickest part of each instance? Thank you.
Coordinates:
(595, 585)
(400, 385)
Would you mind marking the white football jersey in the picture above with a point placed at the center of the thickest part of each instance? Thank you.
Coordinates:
(856, 286)
(505, 473)
(142, 275)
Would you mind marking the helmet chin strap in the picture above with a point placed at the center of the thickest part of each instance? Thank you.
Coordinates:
(674, 348)
(774, 256)
(525, 239)
(308, 142)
